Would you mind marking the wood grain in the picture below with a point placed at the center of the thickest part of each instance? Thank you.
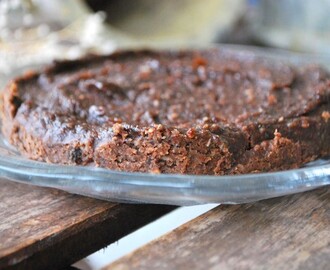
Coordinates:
(42, 228)
(291, 232)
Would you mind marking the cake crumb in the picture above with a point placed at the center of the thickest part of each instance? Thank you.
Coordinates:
(199, 61)
(155, 171)
(249, 95)
(326, 116)
(272, 100)
(277, 134)
(208, 143)
(191, 133)
(117, 128)
(304, 123)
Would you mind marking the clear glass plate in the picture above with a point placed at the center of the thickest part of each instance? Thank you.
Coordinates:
(166, 188)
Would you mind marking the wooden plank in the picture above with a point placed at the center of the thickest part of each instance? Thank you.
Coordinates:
(291, 232)
(42, 228)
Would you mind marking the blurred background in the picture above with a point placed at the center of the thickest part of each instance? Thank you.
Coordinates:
(34, 32)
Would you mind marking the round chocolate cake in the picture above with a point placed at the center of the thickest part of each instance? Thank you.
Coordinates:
(189, 112)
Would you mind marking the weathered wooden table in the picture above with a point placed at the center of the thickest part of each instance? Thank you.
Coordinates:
(291, 232)
(43, 228)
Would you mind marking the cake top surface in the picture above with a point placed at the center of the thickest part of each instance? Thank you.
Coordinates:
(175, 89)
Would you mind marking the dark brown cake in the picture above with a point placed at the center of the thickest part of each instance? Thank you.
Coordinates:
(194, 112)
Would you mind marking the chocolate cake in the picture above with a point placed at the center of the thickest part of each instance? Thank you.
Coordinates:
(190, 112)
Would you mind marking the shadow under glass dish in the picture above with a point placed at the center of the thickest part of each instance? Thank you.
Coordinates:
(172, 189)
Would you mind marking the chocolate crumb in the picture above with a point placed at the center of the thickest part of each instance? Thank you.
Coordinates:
(326, 115)
(76, 155)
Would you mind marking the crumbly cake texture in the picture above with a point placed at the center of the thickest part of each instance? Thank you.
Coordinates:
(190, 112)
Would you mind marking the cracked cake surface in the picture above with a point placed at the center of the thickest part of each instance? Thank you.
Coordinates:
(193, 111)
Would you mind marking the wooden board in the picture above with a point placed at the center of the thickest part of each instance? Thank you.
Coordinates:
(42, 228)
(291, 232)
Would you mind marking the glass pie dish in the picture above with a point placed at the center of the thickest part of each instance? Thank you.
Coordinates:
(169, 188)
